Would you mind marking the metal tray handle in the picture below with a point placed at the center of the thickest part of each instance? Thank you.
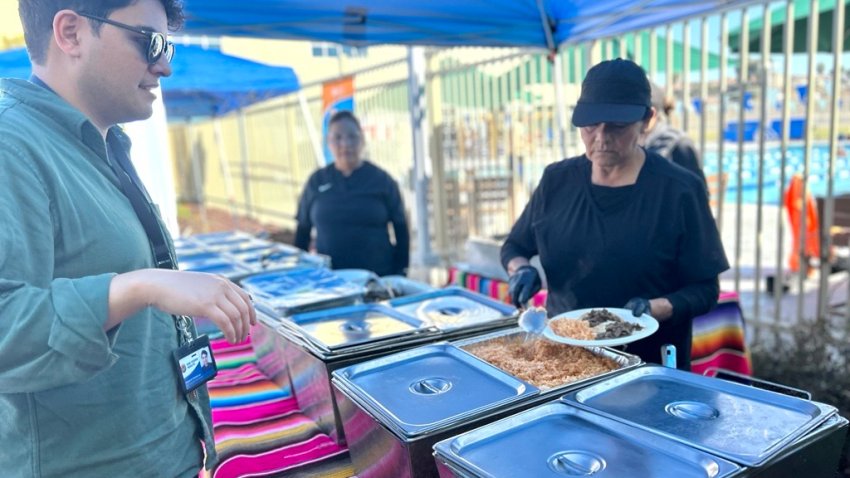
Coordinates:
(730, 376)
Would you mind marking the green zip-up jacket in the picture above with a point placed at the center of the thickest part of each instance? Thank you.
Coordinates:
(76, 401)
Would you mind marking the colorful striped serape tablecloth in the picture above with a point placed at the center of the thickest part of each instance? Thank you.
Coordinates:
(718, 336)
(259, 431)
(494, 288)
(719, 340)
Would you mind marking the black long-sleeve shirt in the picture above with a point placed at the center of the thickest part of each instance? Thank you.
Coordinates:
(351, 215)
(601, 246)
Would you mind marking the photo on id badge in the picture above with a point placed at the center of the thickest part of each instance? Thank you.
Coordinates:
(196, 363)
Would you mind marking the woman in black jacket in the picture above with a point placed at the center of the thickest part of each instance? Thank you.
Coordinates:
(350, 203)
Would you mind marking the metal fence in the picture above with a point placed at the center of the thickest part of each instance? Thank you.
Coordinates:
(760, 107)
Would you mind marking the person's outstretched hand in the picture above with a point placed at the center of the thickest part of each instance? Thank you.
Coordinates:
(523, 284)
(195, 294)
(638, 306)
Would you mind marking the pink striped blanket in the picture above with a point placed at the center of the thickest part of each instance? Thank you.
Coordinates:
(259, 431)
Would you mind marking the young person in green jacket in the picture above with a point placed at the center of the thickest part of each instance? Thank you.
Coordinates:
(90, 304)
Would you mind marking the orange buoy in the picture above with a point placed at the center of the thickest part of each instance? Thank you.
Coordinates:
(794, 204)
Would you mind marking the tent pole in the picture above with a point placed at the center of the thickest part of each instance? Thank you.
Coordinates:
(243, 153)
(196, 175)
(547, 27)
(225, 173)
(788, 41)
(829, 204)
(808, 137)
(416, 103)
(555, 59)
(311, 130)
(152, 158)
(560, 106)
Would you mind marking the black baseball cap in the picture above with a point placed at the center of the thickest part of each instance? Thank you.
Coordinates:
(613, 91)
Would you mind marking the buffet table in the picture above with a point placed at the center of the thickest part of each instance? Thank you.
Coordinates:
(718, 336)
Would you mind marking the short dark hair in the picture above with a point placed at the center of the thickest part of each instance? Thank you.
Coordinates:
(204, 352)
(37, 18)
(343, 115)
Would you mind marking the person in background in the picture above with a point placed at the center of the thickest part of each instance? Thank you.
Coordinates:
(619, 226)
(350, 203)
(668, 142)
(88, 322)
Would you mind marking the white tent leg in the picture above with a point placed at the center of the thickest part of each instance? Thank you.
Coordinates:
(225, 173)
(243, 156)
(311, 130)
(197, 179)
(151, 157)
(416, 101)
(560, 105)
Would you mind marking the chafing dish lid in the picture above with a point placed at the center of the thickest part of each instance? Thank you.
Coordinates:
(429, 387)
(453, 308)
(559, 440)
(252, 245)
(220, 266)
(357, 324)
(222, 237)
(298, 286)
(198, 257)
(744, 424)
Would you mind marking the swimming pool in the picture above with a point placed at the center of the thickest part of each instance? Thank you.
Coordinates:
(818, 167)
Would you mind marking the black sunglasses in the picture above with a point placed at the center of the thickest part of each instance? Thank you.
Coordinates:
(156, 49)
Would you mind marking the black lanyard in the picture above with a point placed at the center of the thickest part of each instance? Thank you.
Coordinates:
(136, 193)
(133, 189)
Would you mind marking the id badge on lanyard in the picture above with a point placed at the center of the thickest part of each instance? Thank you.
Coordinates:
(194, 359)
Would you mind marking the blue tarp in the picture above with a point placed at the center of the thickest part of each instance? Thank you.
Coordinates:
(205, 82)
(440, 22)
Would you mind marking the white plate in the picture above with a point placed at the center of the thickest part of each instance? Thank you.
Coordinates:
(649, 325)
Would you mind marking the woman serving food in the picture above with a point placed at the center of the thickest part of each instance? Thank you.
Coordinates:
(619, 225)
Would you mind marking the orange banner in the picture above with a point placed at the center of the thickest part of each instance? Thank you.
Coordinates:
(337, 95)
(333, 91)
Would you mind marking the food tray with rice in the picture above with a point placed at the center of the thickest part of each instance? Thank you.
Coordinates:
(599, 327)
(552, 367)
(394, 408)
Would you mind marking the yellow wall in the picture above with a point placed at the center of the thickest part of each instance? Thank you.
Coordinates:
(299, 56)
(11, 32)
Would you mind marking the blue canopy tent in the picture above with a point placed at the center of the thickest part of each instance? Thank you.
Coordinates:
(515, 23)
(205, 82)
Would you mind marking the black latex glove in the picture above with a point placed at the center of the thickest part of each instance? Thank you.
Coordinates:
(638, 306)
(523, 284)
